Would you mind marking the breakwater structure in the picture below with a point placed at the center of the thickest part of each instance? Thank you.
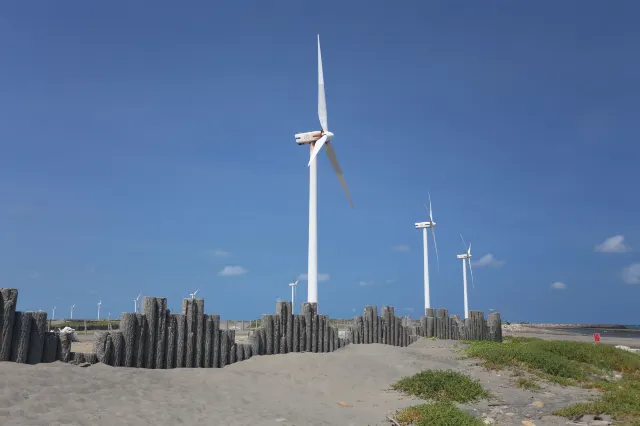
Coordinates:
(159, 339)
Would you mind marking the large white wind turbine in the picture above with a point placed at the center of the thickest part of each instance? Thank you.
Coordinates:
(293, 295)
(99, 304)
(72, 306)
(193, 295)
(316, 140)
(466, 257)
(135, 303)
(425, 242)
(53, 314)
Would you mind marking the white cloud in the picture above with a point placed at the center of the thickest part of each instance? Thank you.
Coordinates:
(365, 283)
(488, 261)
(631, 274)
(613, 244)
(230, 271)
(218, 253)
(321, 277)
(558, 285)
(403, 248)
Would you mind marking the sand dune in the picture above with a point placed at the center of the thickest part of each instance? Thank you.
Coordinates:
(292, 389)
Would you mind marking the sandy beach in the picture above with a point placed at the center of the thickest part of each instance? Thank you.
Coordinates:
(551, 334)
(292, 389)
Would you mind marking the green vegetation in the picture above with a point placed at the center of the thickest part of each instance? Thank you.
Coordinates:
(572, 363)
(443, 388)
(437, 413)
(528, 384)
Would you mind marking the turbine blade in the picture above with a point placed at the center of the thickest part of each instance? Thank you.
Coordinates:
(430, 211)
(322, 102)
(433, 234)
(331, 153)
(469, 250)
(463, 242)
(471, 270)
(316, 149)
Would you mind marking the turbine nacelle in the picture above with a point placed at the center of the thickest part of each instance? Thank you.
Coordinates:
(422, 225)
(312, 137)
(463, 256)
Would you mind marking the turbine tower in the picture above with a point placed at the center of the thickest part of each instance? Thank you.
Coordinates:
(316, 140)
(72, 306)
(293, 295)
(99, 303)
(466, 257)
(425, 242)
(135, 303)
(193, 295)
(53, 314)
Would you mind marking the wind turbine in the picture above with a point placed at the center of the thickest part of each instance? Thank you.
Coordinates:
(425, 242)
(53, 314)
(293, 295)
(466, 256)
(135, 303)
(72, 306)
(316, 140)
(99, 303)
(193, 295)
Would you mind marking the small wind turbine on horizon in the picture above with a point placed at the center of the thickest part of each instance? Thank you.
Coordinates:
(53, 314)
(316, 140)
(135, 303)
(425, 242)
(193, 295)
(466, 257)
(72, 306)
(99, 304)
(293, 295)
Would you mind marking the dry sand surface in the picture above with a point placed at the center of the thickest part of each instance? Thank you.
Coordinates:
(292, 389)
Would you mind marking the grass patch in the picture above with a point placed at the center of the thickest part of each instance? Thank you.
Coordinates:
(442, 385)
(528, 384)
(443, 388)
(437, 413)
(571, 363)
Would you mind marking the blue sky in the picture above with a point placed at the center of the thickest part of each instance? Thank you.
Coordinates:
(146, 149)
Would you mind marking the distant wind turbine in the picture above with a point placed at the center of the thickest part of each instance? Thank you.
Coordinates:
(193, 295)
(135, 303)
(53, 314)
(72, 306)
(425, 242)
(99, 304)
(293, 295)
(466, 257)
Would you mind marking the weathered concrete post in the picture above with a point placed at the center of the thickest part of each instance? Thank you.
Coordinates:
(307, 313)
(161, 332)
(385, 325)
(208, 342)
(140, 340)
(172, 332)
(150, 311)
(50, 347)
(215, 341)
(495, 327)
(8, 303)
(20, 336)
(224, 348)
(117, 341)
(290, 325)
(199, 349)
(295, 343)
(128, 329)
(36, 338)
(431, 324)
(325, 333)
(267, 324)
(181, 340)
